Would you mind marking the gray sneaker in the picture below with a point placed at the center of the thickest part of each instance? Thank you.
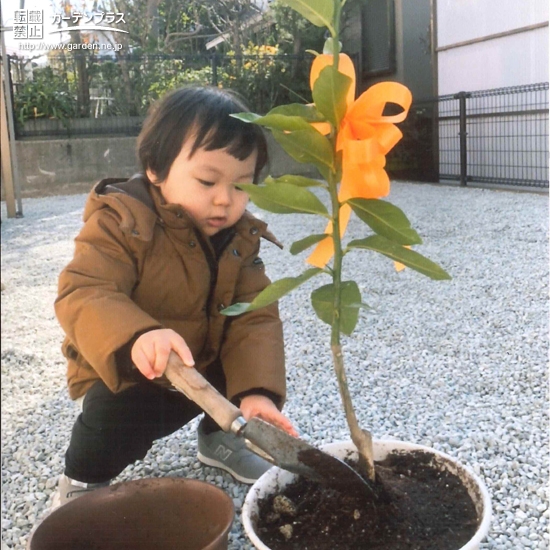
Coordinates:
(68, 489)
(228, 452)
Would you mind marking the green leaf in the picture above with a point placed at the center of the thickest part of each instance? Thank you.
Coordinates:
(322, 300)
(281, 122)
(385, 219)
(318, 12)
(285, 198)
(303, 244)
(272, 293)
(284, 123)
(297, 137)
(307, 112)
(299, 181)
(307, 146)
(246, 117)
(330, 92)
(398, 253)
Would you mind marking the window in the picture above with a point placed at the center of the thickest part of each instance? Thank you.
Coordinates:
(378, 37)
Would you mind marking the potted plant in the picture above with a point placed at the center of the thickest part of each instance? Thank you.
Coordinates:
(347, 140)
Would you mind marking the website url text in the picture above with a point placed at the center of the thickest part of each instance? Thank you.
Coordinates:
(69, 47)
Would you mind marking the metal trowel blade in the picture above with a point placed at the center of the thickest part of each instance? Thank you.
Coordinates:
(298, 457)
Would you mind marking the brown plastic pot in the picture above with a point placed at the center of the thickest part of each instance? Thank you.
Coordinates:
(147, 514)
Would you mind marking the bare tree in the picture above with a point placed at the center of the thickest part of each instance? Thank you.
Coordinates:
(83, 84)
(231, 17)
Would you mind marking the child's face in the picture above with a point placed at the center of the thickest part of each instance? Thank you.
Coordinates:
(205, 186)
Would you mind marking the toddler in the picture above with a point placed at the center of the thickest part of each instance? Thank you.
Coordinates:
(160, 255)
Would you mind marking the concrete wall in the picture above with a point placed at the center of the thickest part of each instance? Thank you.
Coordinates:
(72, 165)
(60, 166)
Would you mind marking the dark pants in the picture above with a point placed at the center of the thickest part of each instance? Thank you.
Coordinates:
(116, 429)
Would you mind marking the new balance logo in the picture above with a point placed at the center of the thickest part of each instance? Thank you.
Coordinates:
(223, 452)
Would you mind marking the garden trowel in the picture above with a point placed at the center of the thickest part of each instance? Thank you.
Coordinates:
(262, 438)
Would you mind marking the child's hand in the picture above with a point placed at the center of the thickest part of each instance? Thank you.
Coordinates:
(151, 350)
(264, 408)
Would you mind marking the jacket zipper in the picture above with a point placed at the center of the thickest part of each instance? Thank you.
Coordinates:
(213, 264)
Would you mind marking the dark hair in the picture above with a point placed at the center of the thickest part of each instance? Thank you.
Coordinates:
(203, 111)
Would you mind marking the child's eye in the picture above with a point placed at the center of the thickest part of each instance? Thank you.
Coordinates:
(206, 183)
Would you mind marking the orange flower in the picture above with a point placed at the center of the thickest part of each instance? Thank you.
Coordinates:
(364, 137)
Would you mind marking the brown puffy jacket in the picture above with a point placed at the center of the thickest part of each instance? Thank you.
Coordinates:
(141, 264)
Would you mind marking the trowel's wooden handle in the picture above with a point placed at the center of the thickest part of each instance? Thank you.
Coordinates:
(189, 381)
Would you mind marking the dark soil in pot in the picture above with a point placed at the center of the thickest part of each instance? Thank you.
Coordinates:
(416, 506)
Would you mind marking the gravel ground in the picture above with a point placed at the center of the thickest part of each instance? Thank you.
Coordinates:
(459, 365)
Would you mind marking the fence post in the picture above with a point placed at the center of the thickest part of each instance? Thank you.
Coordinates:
(462, 132)
(9, 153)
(7, 167)
(214, 64)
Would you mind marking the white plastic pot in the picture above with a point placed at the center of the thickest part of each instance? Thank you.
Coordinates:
(275, 479)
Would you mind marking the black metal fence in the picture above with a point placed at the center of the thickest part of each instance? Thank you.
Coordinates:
(490, 136)
(95, 95)
(493, 136)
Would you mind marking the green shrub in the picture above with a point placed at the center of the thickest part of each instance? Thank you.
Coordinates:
(45, 96)
(265, 78)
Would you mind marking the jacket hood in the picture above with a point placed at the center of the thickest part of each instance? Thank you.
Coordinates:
(132, 199)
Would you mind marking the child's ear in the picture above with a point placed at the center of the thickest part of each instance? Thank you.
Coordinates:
(151, 177)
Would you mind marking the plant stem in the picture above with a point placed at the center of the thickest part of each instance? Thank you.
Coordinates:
(361, 438)
(336, 35)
